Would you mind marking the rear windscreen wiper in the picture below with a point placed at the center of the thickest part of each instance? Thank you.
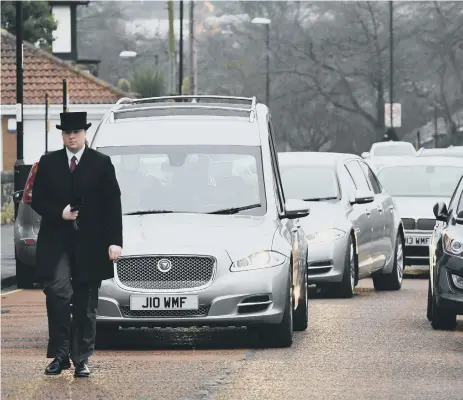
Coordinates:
(235, 210)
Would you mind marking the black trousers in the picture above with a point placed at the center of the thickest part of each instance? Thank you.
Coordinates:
(71, 332)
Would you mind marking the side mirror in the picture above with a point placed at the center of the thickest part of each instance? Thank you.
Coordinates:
(363, 197)
(459, 219)
(295, 208)
(365, 154)
(17, 196)
(440, 211)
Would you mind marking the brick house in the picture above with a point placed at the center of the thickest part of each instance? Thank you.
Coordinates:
(44, 73)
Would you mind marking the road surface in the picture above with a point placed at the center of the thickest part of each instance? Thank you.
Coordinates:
(373, 346)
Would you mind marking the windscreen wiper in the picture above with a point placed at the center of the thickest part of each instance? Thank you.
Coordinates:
(321, 198)
(236, 210)
(149, 212)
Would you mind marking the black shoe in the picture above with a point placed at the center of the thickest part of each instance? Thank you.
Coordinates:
(82, 370)
(57, 366)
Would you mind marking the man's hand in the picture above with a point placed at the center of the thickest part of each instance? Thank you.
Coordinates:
(69, 215)
(114, 252)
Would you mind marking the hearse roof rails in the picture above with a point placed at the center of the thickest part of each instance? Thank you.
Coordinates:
(185, 102)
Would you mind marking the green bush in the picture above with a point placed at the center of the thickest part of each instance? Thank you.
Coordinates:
(7, 213)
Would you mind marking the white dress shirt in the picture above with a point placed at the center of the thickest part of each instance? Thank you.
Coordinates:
(76, 155)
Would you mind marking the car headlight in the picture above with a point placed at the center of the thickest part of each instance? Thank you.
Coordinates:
(262, 259)
(326, 235)
(457, 281)
(453, 246)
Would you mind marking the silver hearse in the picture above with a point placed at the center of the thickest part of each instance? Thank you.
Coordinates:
(209, 237)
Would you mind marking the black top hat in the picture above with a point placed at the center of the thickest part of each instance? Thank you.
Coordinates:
(73, 121)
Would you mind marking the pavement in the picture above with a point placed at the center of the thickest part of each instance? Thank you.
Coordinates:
(8, 263)
(377, 345)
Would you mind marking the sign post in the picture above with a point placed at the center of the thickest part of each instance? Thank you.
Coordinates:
(47, 123)
(65, 96)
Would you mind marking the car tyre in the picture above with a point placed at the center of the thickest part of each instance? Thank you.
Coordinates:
(25, 274)
(280, 335)
(393, 281)
(440, 319)
(301, 314)
(429, 308)
(345, 289)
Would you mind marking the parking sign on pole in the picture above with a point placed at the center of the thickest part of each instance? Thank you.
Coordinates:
(396, 115)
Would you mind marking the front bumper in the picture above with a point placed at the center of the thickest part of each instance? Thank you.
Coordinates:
(449, 297)
(243, 298)
(326, 261)
(417, 247)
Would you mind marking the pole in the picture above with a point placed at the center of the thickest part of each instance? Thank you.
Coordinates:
(391, 60)
(267, 83)
(418, 137)
(436, 134)
(19, 100)
(46, 123)
(65, 96)
(180, 62)
(192, 50)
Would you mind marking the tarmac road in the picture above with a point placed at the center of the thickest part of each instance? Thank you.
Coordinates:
(374, 346)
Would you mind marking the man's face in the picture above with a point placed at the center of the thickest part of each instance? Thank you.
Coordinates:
(74, 140)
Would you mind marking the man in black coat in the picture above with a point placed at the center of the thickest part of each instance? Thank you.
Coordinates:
(78, 197)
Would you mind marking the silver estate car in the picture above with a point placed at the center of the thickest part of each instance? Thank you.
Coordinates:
(353, 230)
(209, 236)
(416, 185)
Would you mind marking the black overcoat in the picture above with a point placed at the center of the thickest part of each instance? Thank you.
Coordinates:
(93, 184)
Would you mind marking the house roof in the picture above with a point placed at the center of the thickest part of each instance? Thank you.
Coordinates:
(44, 73)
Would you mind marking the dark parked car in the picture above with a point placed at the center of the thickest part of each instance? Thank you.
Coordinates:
(445, 293)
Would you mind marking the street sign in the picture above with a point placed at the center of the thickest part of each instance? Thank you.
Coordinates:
(396, 115)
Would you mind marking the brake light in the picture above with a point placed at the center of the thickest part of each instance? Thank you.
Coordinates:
(27, 196)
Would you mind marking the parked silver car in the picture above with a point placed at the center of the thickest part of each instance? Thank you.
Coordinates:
(453, 151)
(353, 230)
(416, 185)
(207, 241)
(390, 149)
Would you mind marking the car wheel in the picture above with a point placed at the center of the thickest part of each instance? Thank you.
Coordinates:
(393, 281)
(25, 274)
(280, 335)
(429, 308)
(301, 314)
(345, 289)
(441, 319)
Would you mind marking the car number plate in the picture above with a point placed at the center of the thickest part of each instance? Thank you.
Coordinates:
(164, 302)
(413, 240)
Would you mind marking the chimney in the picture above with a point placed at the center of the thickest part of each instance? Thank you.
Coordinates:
(64, 44)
